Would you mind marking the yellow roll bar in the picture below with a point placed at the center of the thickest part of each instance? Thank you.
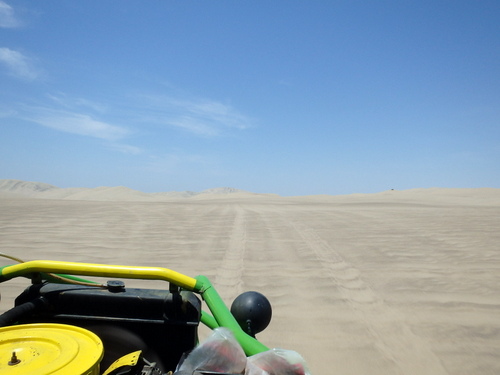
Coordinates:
(100, 270)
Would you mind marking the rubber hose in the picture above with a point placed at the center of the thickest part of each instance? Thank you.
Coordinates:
(11, 316)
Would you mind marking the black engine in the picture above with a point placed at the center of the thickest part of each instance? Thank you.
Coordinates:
(161, 323)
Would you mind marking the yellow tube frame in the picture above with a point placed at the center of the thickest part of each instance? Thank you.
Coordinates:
(100, 270)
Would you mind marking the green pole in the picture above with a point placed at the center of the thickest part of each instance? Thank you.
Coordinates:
(224, 318)
(209, 320)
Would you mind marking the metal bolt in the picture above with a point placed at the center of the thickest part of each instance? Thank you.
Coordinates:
(14, 360)
(115, 286)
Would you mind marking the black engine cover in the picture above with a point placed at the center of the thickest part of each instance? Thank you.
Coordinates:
(161, 323)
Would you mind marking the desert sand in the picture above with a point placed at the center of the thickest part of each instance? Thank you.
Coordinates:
(398, 282)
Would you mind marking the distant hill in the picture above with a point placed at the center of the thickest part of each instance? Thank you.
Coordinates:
(118, 193)
(27, 189)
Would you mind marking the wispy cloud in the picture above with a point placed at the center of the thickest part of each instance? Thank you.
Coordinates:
(19, 65)
(201, 117)
(125, 124)
(76, 116)
(214, 112)
(79, 116)
(7, 17)
(125, 149)
(69, 102)
(77, 123)
(194, 125)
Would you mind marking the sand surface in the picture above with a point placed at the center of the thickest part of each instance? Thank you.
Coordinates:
(400, 282)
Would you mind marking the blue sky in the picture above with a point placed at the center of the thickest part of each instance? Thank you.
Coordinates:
(287, 97)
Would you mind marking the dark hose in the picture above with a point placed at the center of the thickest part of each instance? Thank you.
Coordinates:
(14, 314)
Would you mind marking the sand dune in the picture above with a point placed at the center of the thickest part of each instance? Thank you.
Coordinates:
(104, 193)
(27, 188)
(399, 282)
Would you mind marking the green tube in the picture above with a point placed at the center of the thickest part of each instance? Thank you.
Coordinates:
(209, 320)
(224, 318)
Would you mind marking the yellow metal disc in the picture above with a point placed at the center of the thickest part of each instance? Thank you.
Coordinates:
(49, 349)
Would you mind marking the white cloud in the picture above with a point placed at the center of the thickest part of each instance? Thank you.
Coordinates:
(125, 149)
(77, 123)
(214, 112)
(7, 17)
(18, 64)
(194, 125)
(200, 117)
(7, 112)
(77, 116)
(72, 103)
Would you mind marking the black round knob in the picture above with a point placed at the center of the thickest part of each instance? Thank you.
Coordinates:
(252, 311)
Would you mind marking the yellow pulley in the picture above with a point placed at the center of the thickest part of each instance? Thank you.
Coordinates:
(49, 349)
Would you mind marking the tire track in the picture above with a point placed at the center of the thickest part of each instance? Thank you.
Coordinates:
(395, 340)
(228, 278)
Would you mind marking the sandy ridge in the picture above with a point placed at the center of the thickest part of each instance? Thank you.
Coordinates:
(118, 193)
(12, 189)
